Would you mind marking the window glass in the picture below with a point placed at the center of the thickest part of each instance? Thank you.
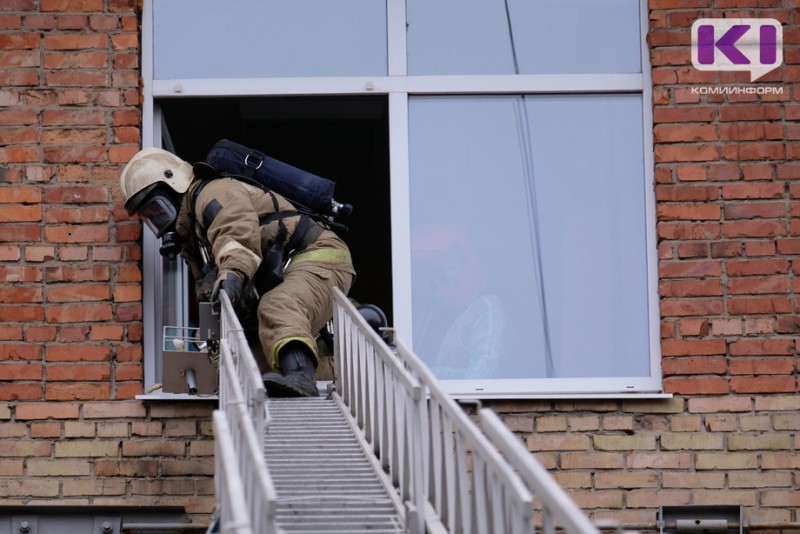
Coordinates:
(528, 236)
(523, 36)
(268, 38)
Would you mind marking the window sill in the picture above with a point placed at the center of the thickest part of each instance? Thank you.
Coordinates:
(561, 396)
(176, 397)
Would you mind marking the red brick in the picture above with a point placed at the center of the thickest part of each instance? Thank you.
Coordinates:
(753, 190)
(127, 353)
(78, 372)
(753, 151)
(77, 353)
(128, 390)
(15, 214)
(77, 234)
(759, 248)
(70, 117)
(739, 286)
(694, 366)
(21, 314)
(726, 249)
(664, 133)
(683, 308)
(762, 366)
(696, 386)
(107, 332)
(81, 215)
(694, 249)
(724, 172)
(757, 267)
(690, 288)
(47, 410)
(778, 384)
(762, 305)
(75, 154)
(98, 273)
(40, 333)
(690, 269)
(756, 210)
(753, 229)
(686, 193)
(78, 293)
(693, 347)
(64, 41)
(685, 231)
(751, 132)
(688, 212)
(683, 153)
(17, 392)
(81, 391)
(757, 112)
(762, 347)
(788, 324)
(20, 294)
(128, 372)
(10, 333)
(114, 410)
(20, 371)
(684, 114)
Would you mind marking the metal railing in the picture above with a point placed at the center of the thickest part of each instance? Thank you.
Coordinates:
(232, 513)
(243, 366)
(451, 474)
(246, 502)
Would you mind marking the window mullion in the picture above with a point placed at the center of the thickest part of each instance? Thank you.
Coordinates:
(396, 37)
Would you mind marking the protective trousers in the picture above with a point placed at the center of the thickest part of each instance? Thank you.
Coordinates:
(298, 308)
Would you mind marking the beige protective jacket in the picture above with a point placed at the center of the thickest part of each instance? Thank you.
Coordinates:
(232, 216)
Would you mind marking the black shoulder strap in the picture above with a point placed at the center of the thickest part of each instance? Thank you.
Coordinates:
(201, 234)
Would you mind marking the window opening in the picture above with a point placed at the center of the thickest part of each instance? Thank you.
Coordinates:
(344, 139)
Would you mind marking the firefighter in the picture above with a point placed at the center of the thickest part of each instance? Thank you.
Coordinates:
(273, 263)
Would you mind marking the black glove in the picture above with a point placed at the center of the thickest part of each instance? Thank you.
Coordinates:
(231, 284)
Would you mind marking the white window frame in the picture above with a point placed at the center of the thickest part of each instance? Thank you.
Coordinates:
(397, 86)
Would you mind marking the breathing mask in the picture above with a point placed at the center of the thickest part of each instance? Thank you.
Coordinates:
(159, 212)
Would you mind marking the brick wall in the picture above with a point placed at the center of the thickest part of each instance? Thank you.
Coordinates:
(727, 170)
(71, 431)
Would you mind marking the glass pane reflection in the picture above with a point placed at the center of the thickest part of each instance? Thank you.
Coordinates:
(528, 261)
(523, 37)
(269, 38)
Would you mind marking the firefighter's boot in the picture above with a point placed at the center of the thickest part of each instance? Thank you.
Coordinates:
(296, 378)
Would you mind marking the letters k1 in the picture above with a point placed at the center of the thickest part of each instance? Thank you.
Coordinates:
(754, 45)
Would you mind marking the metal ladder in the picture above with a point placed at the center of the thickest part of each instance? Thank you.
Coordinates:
(324, 479)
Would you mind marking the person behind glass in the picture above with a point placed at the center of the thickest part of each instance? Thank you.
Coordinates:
(459, 323)
(237, 237)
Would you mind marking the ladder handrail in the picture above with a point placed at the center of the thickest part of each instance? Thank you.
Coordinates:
(246, 368)
(467, 480)
(535, 476)
(232, 513)
(444, 407)
(243, 415)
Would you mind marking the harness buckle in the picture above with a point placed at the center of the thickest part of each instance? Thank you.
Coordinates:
(257, 156)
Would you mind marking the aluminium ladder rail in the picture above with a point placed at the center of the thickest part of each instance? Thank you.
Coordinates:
(432, 468)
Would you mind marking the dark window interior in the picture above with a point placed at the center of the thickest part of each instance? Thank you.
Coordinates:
(345, 139)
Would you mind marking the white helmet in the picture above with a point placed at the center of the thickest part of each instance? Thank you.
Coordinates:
(149, 167)
(151, 183)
